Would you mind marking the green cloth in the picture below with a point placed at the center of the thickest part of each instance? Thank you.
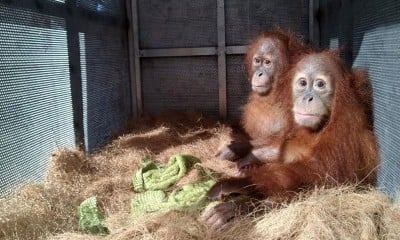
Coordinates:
(148, 202)
(89, 218)
(189, 197)
(151, 181)
(156, 177)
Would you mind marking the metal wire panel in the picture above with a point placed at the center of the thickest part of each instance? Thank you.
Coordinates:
(376, 34)
(177, 23)
(245, 19)
(41, 57)
(105, 83)
(104, 7)
(35, 106)
(370, 32)
(180, 83)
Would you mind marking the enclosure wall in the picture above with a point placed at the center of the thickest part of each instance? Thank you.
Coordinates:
(73, 72)
(182, 43)
(369, 31)
(64, 81)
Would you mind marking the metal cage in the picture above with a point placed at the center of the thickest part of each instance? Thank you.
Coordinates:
(72, 72)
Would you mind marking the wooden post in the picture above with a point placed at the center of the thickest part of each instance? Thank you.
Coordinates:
(134, 59)
(221, 59)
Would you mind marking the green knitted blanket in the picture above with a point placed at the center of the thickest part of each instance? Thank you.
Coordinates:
(153, 181)
(154, 176)
(154, 184)
(189, 197)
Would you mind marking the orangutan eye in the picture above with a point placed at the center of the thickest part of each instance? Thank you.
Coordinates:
(321, 83)
(267, 62)
(302, 82)
(257, 60)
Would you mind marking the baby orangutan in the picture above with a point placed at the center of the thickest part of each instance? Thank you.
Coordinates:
(330, 143)
(266, 116)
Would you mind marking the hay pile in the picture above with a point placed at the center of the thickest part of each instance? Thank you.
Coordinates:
(49, 210)
(341, 213)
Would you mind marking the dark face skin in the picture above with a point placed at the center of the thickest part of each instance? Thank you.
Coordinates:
(313, 88)
(267, 63)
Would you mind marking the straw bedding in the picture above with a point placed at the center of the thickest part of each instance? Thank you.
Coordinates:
(48, 210)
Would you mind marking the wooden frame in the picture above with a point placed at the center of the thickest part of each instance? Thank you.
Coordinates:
(134, 62)
(221, 51)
